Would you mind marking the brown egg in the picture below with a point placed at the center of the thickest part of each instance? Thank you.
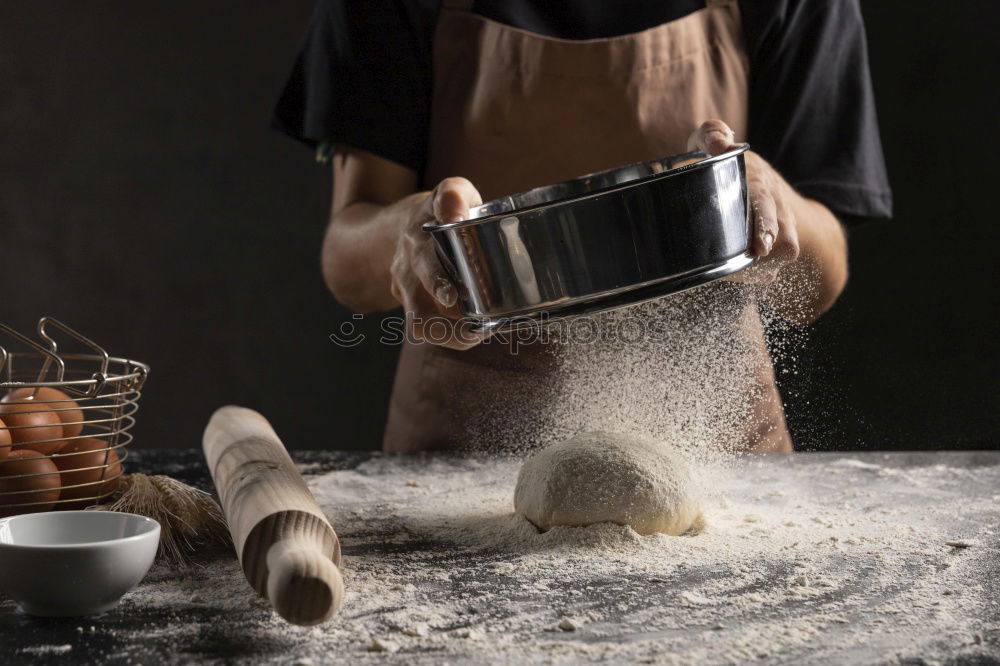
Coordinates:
(75, 459)
(64, 406)
(29, 425)
(43, 483)
(4, 441)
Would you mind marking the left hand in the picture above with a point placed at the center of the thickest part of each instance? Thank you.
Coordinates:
(775, 239)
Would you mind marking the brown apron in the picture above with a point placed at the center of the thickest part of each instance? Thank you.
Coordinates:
(512, 110)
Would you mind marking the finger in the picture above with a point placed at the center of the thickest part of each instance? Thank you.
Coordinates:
(408, 289)
(712, 137)
(452, 199)
(786, 249)
(443, 331)
(765, 223)
(450, 202)
(431, 274)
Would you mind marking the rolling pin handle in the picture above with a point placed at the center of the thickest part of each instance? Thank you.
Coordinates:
(303, 585)
(286, 546)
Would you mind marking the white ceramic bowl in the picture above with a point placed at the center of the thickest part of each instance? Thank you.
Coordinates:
(66, 563)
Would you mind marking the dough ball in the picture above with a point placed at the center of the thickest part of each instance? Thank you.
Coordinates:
(599, 477)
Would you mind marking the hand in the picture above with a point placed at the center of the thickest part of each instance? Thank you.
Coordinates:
(419, 281)
(775, 238)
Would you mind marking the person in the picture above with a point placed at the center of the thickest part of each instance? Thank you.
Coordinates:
(427, 109)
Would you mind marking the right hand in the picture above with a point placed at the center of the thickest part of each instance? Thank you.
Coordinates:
(775, 240)
(419, 281)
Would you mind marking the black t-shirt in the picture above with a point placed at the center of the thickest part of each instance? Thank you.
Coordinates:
(364, 78)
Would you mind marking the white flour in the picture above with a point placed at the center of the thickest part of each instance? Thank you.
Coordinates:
(805, 559)
(681, 370)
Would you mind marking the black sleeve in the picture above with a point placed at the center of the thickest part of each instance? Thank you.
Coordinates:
(363, 79)
(812, 108)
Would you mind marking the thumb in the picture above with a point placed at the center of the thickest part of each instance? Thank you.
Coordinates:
(452, 199)
(712, 137)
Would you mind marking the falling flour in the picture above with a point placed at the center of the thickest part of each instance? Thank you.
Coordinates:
(684, 370)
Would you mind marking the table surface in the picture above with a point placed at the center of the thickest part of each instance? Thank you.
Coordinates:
(818, 558)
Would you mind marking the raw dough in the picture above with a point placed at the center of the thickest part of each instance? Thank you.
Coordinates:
(602, 477)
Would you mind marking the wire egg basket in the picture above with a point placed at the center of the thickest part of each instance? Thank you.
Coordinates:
(64, 419)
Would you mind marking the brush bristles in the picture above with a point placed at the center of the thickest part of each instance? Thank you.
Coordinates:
(189, 518)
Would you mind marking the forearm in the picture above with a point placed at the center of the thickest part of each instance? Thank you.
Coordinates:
(809, 286)
(376, 255)
(358, 249)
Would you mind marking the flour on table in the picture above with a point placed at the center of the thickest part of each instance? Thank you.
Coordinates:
(38, 650)
(847, 564)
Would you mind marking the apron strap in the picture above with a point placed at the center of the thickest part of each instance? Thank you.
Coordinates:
(457, 5)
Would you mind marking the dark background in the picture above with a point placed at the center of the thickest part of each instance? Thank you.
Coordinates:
(144, 201)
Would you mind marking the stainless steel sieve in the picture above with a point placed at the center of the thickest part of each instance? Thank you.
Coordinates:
(600, 241)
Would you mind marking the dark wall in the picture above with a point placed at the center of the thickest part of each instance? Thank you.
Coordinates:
(144, 200)
(909, 356)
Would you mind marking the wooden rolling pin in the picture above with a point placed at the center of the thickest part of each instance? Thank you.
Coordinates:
(288, 550)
